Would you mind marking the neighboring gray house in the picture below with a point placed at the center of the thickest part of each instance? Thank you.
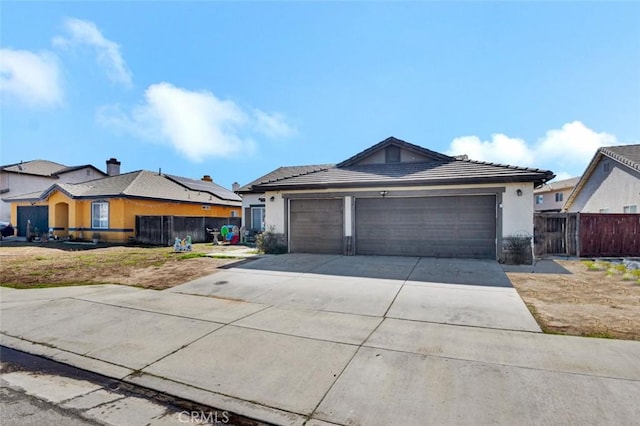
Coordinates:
(396, 198)
(38, 175)
(551, 196)
(610, 184)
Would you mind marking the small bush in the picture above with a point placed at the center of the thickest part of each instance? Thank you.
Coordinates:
(270, 242)
(595, 266)
(517, 250)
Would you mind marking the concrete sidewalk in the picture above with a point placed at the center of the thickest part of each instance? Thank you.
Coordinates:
(303, 348)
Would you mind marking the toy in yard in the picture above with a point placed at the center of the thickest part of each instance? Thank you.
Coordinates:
(230, 234)
(182, 245)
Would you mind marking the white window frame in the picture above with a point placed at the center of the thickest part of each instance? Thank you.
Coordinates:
(559, 197)
(102, 220)
(605, 210)
(539, 199)
(633, 208)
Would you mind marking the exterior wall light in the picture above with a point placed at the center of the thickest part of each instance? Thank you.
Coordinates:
(519, 192)
(383, 193)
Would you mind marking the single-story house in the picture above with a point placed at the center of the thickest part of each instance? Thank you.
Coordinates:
(253, 203)
(38, 175)
(396, 198)
(551, 196)
(109, 205)
(610, 184)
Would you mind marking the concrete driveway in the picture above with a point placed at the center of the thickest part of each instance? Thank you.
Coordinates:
(447, 291)
(307, 347)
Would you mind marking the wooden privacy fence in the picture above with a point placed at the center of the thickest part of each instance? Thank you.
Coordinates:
(587, 234)
(163, 230)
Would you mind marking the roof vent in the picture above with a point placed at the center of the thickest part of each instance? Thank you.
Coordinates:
(207, 178)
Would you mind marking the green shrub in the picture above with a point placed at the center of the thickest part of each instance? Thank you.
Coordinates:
(270, 242)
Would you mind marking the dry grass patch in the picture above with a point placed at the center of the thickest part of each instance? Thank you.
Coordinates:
(597, 299)
(157, 268)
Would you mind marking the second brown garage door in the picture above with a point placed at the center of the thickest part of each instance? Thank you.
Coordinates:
(316, 226)
(456, 226)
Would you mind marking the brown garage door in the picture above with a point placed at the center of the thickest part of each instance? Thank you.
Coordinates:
(316, 226)
(457, 226)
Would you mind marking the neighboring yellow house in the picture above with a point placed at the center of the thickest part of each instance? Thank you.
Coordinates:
(109, 206)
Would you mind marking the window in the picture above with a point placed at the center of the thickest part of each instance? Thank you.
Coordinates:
(559, 196)
(606, 166)
(257, 218)
(392, 154)
(539, 199)
(603, 211)
(100, 215)
(234, 213)
(630, 209)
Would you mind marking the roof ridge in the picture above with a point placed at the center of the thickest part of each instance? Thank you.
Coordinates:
(618, 157)
(130, 184)
(389, 141)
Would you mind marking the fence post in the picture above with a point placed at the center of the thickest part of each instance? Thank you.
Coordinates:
(578, 235)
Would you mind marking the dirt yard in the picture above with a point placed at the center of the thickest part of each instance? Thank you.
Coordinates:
(598, 300)
(157, 268)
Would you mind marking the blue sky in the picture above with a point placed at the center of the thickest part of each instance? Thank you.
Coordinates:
(237, 89)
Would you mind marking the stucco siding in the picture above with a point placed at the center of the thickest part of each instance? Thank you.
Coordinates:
(122, 215)
(16, 184)
(516, 210)
(608, 191)
(19, 184)
(249, 200)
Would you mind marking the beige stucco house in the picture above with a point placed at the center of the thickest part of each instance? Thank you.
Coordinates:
(38, 175)
(610, 184)
(396, 198)
(551, 196)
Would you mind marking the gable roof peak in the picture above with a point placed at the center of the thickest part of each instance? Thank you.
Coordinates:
(392, 140)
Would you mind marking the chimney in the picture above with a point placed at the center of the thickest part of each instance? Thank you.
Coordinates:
(207, 178)
(113, 167)
(235, 186)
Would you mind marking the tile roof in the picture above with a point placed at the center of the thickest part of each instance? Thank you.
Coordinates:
(437, 170)
(454, 171)
(35, 167)
(139, 184)
(44, 168)
(625, 154)
(206, 186)
(283, 173)
(557, 185)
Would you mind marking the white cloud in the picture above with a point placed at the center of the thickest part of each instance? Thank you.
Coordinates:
(31, 78)
(566, 151)
(196, 124)
(500, 149)
(574, 143)
(272, 125)
(86, 33)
